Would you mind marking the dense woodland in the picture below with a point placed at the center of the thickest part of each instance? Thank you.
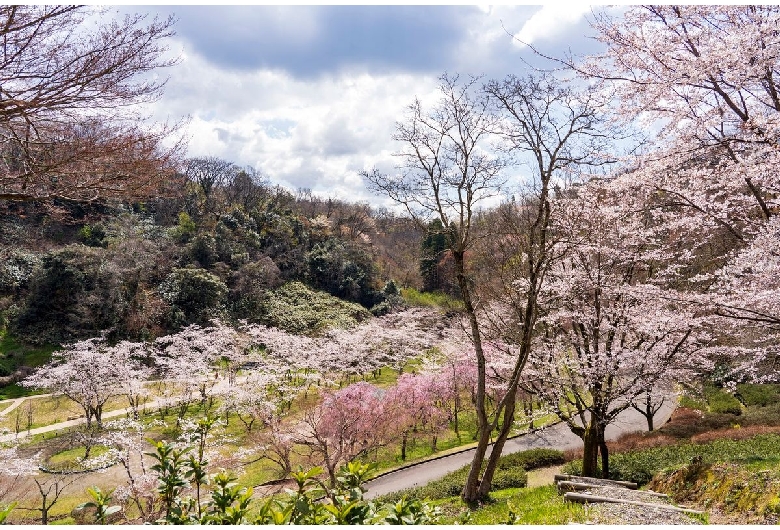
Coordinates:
(142, 270)
(584, 240)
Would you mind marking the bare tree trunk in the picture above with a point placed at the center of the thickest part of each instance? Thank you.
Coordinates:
(498, 447)
(471, 490)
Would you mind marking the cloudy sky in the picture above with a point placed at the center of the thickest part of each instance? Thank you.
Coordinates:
(310, 95)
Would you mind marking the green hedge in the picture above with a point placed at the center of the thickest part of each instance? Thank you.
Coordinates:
(532, 459)
(640, 466)
(510, 473)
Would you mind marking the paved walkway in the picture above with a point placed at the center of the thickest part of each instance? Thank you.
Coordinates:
(71, 423)
(152, 405)
(18, 401)
(557, 436)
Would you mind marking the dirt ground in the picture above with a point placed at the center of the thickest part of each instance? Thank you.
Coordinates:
(25, 491)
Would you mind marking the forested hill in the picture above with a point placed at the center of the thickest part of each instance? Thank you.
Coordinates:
(223, 249)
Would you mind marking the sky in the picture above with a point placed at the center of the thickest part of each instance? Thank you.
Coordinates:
(310, 95)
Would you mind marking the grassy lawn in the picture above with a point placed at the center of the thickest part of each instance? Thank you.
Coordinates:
(414, 297)
(542, 505)
(14, 354)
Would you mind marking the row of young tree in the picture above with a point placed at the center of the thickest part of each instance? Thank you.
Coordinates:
(254, 375)
(612, 272)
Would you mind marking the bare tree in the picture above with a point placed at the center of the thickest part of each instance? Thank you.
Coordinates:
(211, 173)
(448, 171)
(69, 126)
(247, 188)
(50, 491)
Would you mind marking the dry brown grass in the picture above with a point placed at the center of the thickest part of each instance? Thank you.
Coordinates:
(685, 415)
(641, 440)
(741, 433)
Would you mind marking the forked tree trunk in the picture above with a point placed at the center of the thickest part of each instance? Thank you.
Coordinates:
(498, 448)
(471, 490)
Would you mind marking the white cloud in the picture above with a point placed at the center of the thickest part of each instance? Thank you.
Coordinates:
(550, 21)
(319, 132)
(315, 134)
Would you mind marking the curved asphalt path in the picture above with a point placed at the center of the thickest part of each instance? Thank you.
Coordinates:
(556, 436)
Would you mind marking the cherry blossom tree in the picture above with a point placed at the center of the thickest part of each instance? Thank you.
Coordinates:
(411, 407)
(277, 444)
(347, 423)
(706, 77)
(127, 445)
(193, 358)
(14, 466)
(90, 372)
(610, 334)
(253, 398)
(454, 377)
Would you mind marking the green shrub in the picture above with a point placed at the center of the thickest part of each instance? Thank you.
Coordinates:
(509, 478)
(761, 415)
(344, 270)
(631, 470)
(758, 395)
(93, 235)
(196, 293)
(572, 468)
(298, 309)
(185, 229)
(721, 402)
(76, 292)
(532, 459)
(692, 403)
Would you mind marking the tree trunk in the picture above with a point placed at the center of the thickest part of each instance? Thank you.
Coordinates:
(403, 446)
(471, 490)
(455, 414)
(590, 452)
(498, 447)
(604, 454)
